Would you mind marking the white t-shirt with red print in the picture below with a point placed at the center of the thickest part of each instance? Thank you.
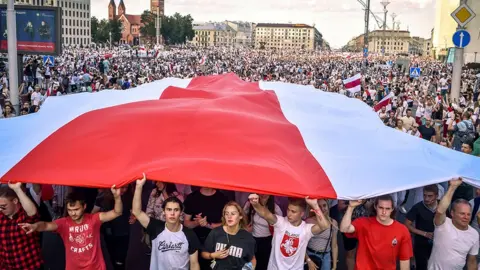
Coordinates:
(289, 245)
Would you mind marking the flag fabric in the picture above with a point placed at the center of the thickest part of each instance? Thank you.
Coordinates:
(353, 84)
(221, 132)
(385, 102)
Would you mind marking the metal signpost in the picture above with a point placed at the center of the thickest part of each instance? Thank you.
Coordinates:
(462, 15)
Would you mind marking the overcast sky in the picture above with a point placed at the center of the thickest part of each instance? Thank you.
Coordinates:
(337, 20)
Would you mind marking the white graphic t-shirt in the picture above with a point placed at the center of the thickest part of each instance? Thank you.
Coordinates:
(171, 250)
(289, 245)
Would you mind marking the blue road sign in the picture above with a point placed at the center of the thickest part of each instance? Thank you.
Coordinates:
(415, 72)
(365, 52)
(48, 60)
(461, 38)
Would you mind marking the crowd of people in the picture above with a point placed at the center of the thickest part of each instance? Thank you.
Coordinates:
(186, 227)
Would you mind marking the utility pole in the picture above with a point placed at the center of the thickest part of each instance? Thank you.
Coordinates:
(457, 68)
(385, 12)
(367, 22)
(12, 55)
(157, 25)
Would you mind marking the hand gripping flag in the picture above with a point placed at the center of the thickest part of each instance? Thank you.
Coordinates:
(222, 132)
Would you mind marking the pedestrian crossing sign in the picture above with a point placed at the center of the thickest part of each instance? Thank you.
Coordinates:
(415, 72)
(48, 60)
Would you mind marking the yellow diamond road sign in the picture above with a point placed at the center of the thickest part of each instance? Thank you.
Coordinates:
(463, 15)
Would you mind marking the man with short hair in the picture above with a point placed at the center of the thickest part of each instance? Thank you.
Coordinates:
(408, 120)
(80, 231)
(455, 239)
(290, 234)
(381, 239)
(18, 250)
(422, 215)
(174, 246)
(428, 131)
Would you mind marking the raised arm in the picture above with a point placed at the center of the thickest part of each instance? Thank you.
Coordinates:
(117, 209)
(322, 222)
(262, 210)
(346, 224)
(27, 204)
(442, 208)
(141, 216)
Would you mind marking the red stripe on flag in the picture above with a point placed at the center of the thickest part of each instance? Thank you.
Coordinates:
(220, 132)
(353, 84)
(382, 103)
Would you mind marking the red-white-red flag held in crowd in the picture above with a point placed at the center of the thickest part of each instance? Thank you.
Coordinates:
(385, 102)
(222, 132)
(353, 84)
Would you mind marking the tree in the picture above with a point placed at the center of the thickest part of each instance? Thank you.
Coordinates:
(176, 29)
(115, 26)
(94, 24)
(148, 29)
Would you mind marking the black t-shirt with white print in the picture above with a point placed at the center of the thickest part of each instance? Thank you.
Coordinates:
(241, 248)
(171, 250)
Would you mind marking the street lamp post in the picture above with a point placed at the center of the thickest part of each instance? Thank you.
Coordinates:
(12, 55)
(385, 11)
(110, 34)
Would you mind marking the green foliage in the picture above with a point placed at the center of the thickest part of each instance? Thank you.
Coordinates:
(176, 29)
(100, 30)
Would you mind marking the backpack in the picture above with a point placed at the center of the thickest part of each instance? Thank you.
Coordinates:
(468, 135)
(476, 205)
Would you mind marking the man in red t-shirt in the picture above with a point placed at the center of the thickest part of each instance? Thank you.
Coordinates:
(80, 232)
(381, 239)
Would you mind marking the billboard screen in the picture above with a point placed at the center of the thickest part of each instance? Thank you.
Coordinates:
(38, 30)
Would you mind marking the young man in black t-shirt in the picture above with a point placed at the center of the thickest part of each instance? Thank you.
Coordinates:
(203, 212)
(173, 245)
(428, 131)
(422, 215)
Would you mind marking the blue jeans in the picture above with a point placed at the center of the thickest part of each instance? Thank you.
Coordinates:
(324, 258)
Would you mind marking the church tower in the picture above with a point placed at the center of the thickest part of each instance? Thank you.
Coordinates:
(112, 10)
(121, 8)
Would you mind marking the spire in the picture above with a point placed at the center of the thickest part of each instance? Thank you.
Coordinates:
(121, 8)
(112, 10)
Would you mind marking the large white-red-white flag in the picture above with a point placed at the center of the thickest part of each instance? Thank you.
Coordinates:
(385, 102)
(222, 132)
(353, 84)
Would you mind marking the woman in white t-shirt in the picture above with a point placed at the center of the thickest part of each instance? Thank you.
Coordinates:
(322, 248)
(261, 230)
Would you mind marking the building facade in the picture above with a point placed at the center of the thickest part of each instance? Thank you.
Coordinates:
(243, 33)
(416, 46)
(131, 24)
(394, 41)
(427, 47)
(214, 34)
(75, 19)
(444, 27)
(286, 36)
(472, 51)
(76, 16)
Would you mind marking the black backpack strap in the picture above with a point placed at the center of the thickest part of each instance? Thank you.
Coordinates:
(476, 205)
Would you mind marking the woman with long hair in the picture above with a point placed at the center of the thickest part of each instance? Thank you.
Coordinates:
(261, 230)
(160, 193)
(322, 249)
(231, 246)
